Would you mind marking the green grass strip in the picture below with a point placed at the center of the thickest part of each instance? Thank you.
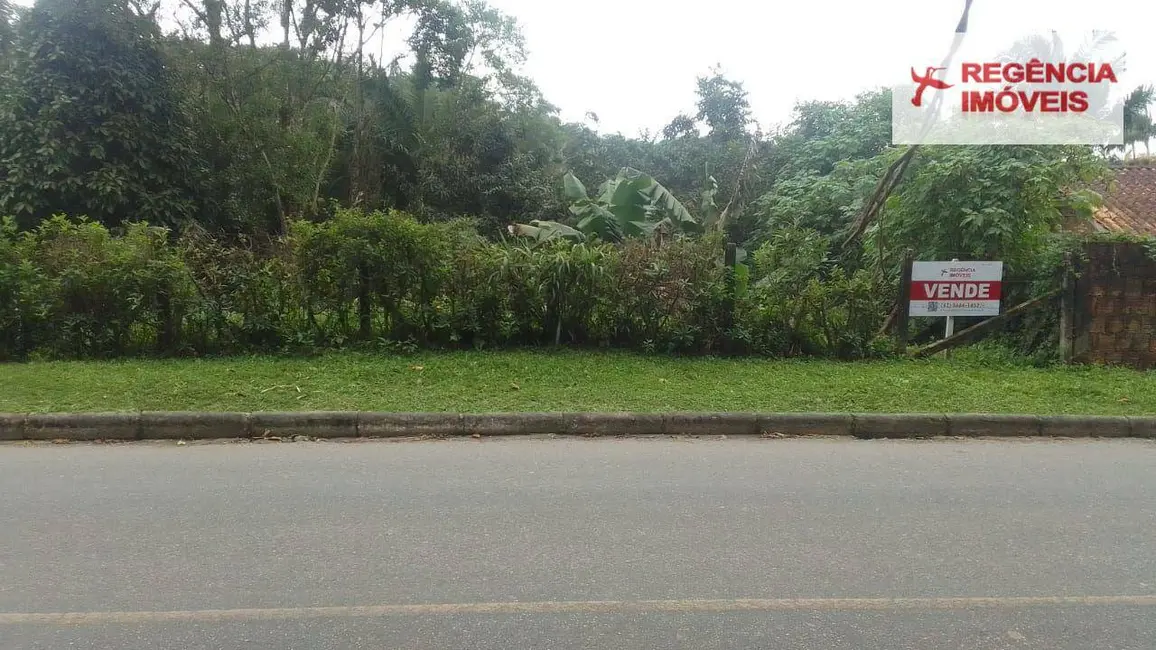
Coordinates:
(570, 381)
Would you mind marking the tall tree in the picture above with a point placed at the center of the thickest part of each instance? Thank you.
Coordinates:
(724, 106)
(89, 123)
(1138, 126)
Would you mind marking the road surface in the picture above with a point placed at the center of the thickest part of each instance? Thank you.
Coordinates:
(564, 544)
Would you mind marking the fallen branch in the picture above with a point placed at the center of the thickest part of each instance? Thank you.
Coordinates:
(953, 341)
(895, 172)
(889, 323)
(280, 386)
(883, 190)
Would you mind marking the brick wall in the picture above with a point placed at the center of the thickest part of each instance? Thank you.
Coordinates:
(1115, 320)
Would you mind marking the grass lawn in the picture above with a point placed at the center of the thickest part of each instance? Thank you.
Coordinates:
(570, 381)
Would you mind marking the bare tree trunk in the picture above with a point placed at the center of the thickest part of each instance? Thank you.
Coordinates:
(357, 165)
(250, 29)
(286, 10)
(323, 168)
(725, 214)
(886, 185)
(214, 18)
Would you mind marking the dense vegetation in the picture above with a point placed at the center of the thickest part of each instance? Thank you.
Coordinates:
(301, 189)
(384, 278)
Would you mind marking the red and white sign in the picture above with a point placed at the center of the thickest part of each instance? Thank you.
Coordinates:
(956, 288)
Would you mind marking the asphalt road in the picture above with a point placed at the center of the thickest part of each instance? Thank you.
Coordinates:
(563, 544)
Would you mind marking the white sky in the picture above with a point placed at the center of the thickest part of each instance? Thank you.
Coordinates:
(634, 62)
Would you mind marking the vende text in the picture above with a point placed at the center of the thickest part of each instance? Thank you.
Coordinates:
(955, 290)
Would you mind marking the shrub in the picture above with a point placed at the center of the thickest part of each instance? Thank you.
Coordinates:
(671, 297)
(800, 303)
(246, 297)
(383, 260)
(472, 308)
(19, 286)
(73, 289)
(77, 291)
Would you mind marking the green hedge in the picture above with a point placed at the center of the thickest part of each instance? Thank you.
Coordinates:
(70, 289)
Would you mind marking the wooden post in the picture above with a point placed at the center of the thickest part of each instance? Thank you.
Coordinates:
(1067, 311)
(732, 255)
(904, 302)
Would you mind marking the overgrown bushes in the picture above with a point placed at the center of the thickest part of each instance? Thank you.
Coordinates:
(802, 303)
(71, 289)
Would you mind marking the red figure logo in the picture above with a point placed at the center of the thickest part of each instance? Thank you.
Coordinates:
(926, 80)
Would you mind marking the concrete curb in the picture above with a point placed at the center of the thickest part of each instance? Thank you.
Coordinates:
(82, 426)
(901, 425)
(315, 424)
(166, 425)
(995, 425)
(806, 424)
(393, 425)
(351, 424)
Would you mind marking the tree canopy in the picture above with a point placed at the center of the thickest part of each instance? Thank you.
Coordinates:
(252, 114)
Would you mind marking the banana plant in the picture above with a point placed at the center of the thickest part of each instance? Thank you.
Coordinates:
(632, 204)
(541, 231)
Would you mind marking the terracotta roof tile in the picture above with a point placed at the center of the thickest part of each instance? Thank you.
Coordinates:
(1130, 207)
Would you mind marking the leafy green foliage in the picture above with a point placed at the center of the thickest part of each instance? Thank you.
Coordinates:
(672, 298)
(7, 33)
(395, 263)
(246, 298)
(1138, 125)
(632, 204)
(89, 122)
(825, 165)
(73, 289)
(802, 303)
(723, 106)
(988, 202)
(320, 196)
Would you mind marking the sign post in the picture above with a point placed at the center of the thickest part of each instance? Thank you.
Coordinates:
(949, 328)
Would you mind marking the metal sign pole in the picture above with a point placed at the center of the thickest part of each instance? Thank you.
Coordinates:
(949, 329)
